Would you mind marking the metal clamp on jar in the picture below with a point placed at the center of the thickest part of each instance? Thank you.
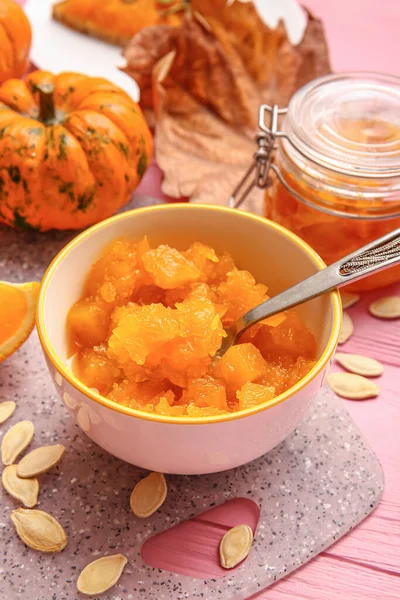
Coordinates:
(335, 177)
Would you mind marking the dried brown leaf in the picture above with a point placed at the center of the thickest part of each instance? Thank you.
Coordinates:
(297, 66)
(207, 80)
(203, 64)
(247, 33)
(151, 44)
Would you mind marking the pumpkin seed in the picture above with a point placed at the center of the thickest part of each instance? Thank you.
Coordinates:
(148, 495)
(352, 387)
(6, 410)
(39, 530)
(101, 574)
(16, 440)
(25, 490)
(235, 546)
(386, 308)
(348, 299)
(360, 365)
(40, 460)
(347, 329)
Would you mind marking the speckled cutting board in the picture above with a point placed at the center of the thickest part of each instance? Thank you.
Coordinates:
(311, 490)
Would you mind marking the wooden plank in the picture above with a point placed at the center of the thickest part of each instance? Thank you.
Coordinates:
(377, 338)
(375, 542)
(330, 578)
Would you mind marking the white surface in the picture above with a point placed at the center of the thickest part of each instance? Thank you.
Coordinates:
(57, 48)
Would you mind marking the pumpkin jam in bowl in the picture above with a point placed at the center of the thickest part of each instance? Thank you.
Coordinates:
(150, 321)
(141, 302)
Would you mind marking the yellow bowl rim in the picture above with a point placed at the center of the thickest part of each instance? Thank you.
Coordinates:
(183, 420)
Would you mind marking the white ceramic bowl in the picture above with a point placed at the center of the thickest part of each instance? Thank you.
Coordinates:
(187, 445)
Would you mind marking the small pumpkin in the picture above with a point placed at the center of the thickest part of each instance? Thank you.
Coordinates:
(72, 150)
(116, 21)
(15, 40)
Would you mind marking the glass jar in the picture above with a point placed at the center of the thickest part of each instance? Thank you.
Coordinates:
(337, 171)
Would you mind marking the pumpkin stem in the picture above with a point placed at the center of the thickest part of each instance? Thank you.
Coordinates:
(47, 109)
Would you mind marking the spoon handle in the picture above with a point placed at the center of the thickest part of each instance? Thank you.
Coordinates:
(376, 256)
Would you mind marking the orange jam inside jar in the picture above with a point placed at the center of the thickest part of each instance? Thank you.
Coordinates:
(340, 159)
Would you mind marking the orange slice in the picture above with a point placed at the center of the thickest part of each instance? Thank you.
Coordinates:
(17, 310)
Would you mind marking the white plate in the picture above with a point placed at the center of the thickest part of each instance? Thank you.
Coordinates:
(289, 11)
(57, 48)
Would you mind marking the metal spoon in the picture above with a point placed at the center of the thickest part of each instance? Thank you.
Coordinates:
(376, 256)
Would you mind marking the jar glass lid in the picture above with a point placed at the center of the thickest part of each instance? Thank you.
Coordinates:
(348, 123)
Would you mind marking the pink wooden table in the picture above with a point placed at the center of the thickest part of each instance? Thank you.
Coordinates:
(365, 565)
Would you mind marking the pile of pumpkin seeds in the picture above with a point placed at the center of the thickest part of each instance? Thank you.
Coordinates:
(42, 532)
(36, 528)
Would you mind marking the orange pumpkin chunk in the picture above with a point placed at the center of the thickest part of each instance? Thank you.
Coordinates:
(113, 277)
(239, 293)
(203, 257)
(205, 392)
(89, 322)
(200, 336)
(239, 365)
(220, 269)
(96, 369)
(141, 331)
(169, 268)
(165, 406)
(252, 394)
(151, 321)
(289, 337)
(277, 376)
(198, 412)
(138, 394)
(194, 290)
